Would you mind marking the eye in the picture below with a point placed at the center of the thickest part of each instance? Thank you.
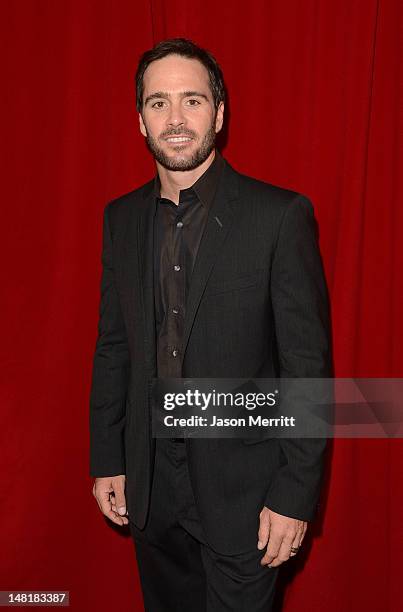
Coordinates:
(158, 104)
(193, 102)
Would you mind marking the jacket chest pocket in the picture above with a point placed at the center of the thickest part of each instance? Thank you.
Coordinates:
(245, 281)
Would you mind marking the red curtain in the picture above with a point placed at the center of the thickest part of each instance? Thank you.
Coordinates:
(315, 101)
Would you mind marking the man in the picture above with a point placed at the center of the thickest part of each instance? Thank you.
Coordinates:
(207, 273)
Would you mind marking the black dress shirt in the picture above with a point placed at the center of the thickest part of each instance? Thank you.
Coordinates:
(178, 230)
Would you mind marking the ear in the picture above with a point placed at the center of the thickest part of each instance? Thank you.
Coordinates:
(219, 120)
(142, 126)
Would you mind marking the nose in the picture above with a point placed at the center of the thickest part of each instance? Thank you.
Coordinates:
(176, 117)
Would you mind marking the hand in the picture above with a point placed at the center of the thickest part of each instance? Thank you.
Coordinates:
(282, 533)
(109, 492)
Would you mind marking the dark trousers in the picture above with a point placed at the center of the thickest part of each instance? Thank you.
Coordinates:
(179, 571)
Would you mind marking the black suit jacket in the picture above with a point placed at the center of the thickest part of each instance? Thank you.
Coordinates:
(257, 307)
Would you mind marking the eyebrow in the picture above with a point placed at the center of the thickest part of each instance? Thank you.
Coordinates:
(166, 95)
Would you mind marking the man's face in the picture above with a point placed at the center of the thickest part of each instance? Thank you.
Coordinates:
(178, 117)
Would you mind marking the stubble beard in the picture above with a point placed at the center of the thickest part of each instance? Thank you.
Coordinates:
(178, 163)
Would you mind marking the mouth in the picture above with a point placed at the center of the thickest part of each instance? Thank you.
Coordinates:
(178, 139)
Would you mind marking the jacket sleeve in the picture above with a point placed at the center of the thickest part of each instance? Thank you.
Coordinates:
(110, 374)
(302, 325)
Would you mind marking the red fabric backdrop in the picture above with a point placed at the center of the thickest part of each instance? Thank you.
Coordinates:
(315, 92)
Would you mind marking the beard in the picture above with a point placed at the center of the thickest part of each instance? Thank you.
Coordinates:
(181, 163)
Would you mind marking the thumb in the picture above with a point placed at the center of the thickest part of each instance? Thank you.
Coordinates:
(264, 529)
(120, 500)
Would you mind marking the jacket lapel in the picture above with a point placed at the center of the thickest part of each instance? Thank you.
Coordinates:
(218, 226)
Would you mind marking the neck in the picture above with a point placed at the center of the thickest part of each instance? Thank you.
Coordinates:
(173, 181)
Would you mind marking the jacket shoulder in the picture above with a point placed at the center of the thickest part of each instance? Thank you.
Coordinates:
(119, 209)
(129, 199)
(267, 194)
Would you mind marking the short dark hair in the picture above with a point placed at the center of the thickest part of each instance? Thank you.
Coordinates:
(184, 48)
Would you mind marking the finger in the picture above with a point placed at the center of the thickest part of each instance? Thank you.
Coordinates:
(114, 508)
(114, 505)
(264, 530)
(283, 553)
(103, 496)
(273, 548)
(115, 518)
(296, 543)
(104, 500)
(119, 492)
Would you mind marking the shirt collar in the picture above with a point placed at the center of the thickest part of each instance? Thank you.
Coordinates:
(206, 184)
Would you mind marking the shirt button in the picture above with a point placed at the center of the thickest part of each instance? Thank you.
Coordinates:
(179, 224)
(175, 310)
(177, 268)
(175, 353)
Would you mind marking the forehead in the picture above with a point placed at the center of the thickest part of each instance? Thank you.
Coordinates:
(176, 73)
